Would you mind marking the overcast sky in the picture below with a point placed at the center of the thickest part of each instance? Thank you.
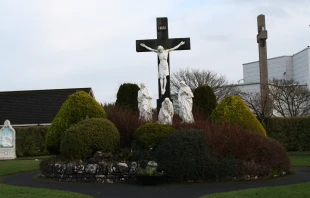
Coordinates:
(53, 44)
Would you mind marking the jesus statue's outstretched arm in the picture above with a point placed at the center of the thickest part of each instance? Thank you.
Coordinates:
(176, 47)
(153, 50)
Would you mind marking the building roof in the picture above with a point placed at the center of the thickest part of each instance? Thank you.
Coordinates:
(34, 107)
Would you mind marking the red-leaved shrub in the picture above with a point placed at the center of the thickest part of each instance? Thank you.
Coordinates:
(259, 155)
(125, 120)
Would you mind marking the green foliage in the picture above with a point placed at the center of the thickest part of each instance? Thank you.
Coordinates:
(234, 111)
(185, 156)
(127, 96)
(292, 132)
(77, 107)
(150, 134)
(30, 141)
(82, 140)
(204, 99)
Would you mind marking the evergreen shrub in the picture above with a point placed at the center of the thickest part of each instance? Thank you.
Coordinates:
(150, 134)
(234, 111)
(185, 156)
(204, 100)
(127, 96)
(83, 139)
(79, 106)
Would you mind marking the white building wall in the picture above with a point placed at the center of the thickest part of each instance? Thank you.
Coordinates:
(251, 87)
(289, 68)
(295, 67)
(279, 67)
(251, 73)
(301, 66)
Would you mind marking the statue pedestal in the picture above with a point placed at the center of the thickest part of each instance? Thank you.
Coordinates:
(7, 153)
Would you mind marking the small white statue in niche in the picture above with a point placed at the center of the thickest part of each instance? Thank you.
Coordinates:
(7, 135)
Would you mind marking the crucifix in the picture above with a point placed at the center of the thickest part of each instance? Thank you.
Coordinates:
(263, 66)
(162, 46)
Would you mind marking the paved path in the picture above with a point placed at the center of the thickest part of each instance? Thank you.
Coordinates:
(302, 174)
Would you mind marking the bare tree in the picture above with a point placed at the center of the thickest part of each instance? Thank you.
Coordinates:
(286, 98)
(290, 98)
(262, 111)
(195, 77)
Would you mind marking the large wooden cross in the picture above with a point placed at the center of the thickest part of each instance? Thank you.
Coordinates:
(263, 66)
(163, 40)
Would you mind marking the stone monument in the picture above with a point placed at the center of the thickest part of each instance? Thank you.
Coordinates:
(161, 46)
(185, 98)
(7, 142)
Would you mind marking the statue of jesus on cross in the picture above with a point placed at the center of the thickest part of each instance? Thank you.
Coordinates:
(163, 66)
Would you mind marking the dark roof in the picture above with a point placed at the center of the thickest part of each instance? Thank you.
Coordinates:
(35, 106)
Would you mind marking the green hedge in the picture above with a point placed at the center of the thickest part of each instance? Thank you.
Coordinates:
(30, 141)
(293, 132)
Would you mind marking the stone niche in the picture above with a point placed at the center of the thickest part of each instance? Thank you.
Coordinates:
(7, 142)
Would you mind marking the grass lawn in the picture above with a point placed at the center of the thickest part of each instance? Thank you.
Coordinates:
(296, 191)
(29, 163)
(300, 158)
(22, 165)
(300, 161)
(299, 153)
(16, 166)
(8, 191)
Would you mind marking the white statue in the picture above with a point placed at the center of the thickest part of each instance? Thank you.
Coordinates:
(145, 104)
(166, 112)
(163, 63)
(185, 98)
(7, 135)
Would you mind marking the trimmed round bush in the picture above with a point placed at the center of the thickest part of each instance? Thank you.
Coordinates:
(127, 95)
(184, 155)
(79, 106)
(234, 111)
(82, 140)
(204, 99)
(150, 134)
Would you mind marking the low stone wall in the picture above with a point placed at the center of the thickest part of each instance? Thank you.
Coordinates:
(100, 172)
